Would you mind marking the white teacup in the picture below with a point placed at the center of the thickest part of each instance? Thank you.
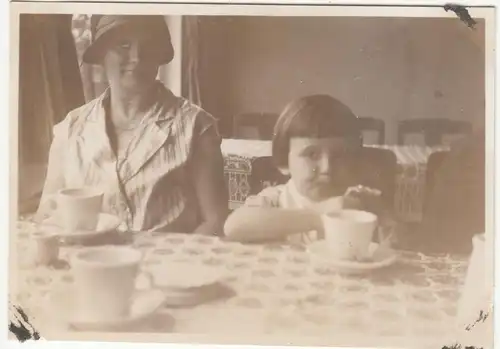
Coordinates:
(349, 233)
(79, 208)
(105, 281)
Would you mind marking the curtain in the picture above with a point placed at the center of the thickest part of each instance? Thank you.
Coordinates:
(49, 87)
(190, 59)
(49, 81)
(93, 79)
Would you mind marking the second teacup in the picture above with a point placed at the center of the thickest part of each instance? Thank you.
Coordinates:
(349, 233)
(79, 208)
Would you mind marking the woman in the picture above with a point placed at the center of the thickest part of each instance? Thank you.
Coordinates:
(157, 156)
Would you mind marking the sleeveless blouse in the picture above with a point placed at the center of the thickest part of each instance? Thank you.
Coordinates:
(151, 188)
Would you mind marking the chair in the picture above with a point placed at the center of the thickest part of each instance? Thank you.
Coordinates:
(373, 124)
(432, 130)
(378, 169)
(254, 125)
(455, 208)
(434, 162)
(265, 174)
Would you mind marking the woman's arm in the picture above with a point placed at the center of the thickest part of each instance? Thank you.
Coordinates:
(209, 183)
(253, 224)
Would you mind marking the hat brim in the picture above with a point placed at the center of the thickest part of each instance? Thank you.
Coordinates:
(94, 53)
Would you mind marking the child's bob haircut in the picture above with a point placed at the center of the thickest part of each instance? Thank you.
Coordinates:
(317, 116)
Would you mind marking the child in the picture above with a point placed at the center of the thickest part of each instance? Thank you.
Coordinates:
(316, 142)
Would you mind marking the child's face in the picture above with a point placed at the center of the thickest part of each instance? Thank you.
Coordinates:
(322, 167)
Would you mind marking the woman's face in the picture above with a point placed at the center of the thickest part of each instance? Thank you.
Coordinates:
(129, 63)
(322, 168)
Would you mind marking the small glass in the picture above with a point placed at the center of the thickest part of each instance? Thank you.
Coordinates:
(46, 248)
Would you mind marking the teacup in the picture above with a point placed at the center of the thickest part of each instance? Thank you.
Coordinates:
(46, 248)
(105, 281)
(79, 208)
(349, 233)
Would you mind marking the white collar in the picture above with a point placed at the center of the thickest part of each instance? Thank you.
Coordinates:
(299, 200)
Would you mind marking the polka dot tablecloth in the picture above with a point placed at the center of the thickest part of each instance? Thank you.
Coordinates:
(279, 290)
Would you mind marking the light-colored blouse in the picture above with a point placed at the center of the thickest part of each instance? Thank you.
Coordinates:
(151, 187)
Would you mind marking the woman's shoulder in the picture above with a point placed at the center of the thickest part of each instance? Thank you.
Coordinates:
(190, 119)
(76, 118)
(187, 111)
(188, 107)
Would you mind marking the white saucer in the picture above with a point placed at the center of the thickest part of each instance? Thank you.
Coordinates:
(107, 223)
(378, 258)
(145, 304)
(184, 276)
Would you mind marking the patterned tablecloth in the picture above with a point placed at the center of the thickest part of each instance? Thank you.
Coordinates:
(280, 291)
(410, 183)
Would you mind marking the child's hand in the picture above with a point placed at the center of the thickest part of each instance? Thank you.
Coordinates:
(363, 198)
(327, 206)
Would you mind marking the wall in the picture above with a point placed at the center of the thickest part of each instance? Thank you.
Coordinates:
(389, 68)
(171, 74)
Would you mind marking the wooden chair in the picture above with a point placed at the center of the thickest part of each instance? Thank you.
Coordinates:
(373, 124)
(254, 125)
(434, 163)
(432, 130)
(456, 205)
(265, 174)
(378, 169)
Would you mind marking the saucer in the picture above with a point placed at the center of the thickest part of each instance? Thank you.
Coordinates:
(187, 298)
(377, 258)
(178, 276)
(194, 297)
(145, 304)
(106, 224)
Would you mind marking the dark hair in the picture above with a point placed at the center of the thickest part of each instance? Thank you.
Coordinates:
(312, 116)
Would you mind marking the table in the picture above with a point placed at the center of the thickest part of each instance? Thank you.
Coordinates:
(410, 182)
(281, 294)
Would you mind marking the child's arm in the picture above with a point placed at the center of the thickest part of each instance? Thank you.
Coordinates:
(366, 199)
(253, 224)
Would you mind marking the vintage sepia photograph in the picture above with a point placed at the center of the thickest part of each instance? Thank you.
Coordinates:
(252, 174)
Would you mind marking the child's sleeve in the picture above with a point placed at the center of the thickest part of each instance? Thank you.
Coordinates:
(267, 198)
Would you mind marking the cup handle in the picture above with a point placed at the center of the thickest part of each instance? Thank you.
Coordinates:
(139, 290)
(386, 233)
(149, 279)
(49, 207)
